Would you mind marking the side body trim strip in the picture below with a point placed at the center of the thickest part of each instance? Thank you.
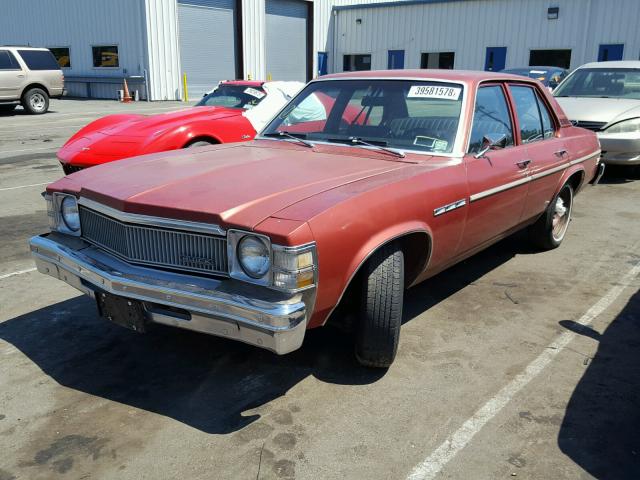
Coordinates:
(536, 176)
(447, 208)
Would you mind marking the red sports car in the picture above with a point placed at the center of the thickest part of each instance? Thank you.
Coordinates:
(221, 116)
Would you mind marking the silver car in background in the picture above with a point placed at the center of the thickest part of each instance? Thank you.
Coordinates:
(605, 97)
(29, 76)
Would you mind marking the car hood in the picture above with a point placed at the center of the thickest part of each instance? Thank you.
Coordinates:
(230, 185)
(147, 125)
(587, 109)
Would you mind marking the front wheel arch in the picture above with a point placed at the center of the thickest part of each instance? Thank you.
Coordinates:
(416, 247)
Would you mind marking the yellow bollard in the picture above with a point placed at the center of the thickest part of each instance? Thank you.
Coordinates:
(269, 77)
(184, 86)
(249, 76)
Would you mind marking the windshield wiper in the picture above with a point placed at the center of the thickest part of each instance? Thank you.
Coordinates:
(297, 136)
(359, 141)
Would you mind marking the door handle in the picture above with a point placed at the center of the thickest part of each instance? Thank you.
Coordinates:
(523, 163)
(560, 153)
(21, 76)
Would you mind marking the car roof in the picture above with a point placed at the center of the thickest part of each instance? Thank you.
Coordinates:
(246, 83)
(467, 76)
(534, 67)
(613, 64)
(23, 47)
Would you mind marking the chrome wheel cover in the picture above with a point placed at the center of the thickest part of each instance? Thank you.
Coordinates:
(561, 214)
(37, 102)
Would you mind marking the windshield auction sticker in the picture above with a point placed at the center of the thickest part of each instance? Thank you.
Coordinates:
(430, 91)
(253, 92)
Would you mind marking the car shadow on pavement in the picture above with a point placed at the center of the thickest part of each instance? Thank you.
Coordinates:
(617, 174)
(434, 290)
(203, 381)
(601, 427)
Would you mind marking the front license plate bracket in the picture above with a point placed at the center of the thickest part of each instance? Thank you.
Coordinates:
(122, 311)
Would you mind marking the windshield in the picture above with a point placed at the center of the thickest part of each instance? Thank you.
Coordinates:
(601, 82)
(233, 96)
(401, 114)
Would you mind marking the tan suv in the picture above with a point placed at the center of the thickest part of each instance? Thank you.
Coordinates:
(30, 76)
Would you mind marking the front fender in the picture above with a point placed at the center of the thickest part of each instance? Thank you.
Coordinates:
(337, 271)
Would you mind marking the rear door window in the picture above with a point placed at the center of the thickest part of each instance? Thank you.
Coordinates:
(548, 129)
(39, 59)
(8, 61)
(491, 116)
(528, 113)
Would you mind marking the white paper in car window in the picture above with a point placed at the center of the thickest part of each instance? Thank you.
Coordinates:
(253, 92)
(431, 91)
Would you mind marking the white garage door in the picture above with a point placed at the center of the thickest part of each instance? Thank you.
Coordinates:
(286, 39)
(207, 43)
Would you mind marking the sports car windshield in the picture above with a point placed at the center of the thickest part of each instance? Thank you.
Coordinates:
(395, 114)
(601, 82)
(233, 96)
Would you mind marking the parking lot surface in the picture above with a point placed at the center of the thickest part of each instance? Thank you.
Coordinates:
(514, 363)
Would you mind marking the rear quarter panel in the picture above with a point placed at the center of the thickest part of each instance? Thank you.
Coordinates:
(584, 150)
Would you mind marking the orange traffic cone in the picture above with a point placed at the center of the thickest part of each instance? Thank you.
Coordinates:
(126, 97)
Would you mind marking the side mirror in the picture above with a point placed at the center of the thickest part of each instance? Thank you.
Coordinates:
(492, 141)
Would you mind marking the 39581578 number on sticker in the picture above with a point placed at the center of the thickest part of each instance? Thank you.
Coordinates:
(432, 91)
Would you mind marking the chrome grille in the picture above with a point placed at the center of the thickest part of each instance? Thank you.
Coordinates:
(155, 246)
(595, 126)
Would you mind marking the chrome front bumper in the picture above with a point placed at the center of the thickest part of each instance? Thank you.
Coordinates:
(227, 308)
(620, 149)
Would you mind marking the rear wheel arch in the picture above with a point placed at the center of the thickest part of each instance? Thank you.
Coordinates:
(574, 176)
(202, 138)
(31, 86)
(576, 180)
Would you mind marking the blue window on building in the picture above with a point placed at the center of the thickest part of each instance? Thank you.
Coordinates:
(322, 63)
(495, 59)
(608, 53)
(395, 59)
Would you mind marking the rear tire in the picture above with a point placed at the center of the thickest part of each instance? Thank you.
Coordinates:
(550, 229)
(381, 308)
(35, 101)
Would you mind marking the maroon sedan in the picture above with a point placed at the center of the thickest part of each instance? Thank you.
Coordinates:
(260, 241)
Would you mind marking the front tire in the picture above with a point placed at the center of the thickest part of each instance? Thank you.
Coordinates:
(35, 101)
(381, 308)
(550, 229)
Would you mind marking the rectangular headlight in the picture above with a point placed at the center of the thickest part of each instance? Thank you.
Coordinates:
(56, 217)
(52, 216)
(294, 268)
